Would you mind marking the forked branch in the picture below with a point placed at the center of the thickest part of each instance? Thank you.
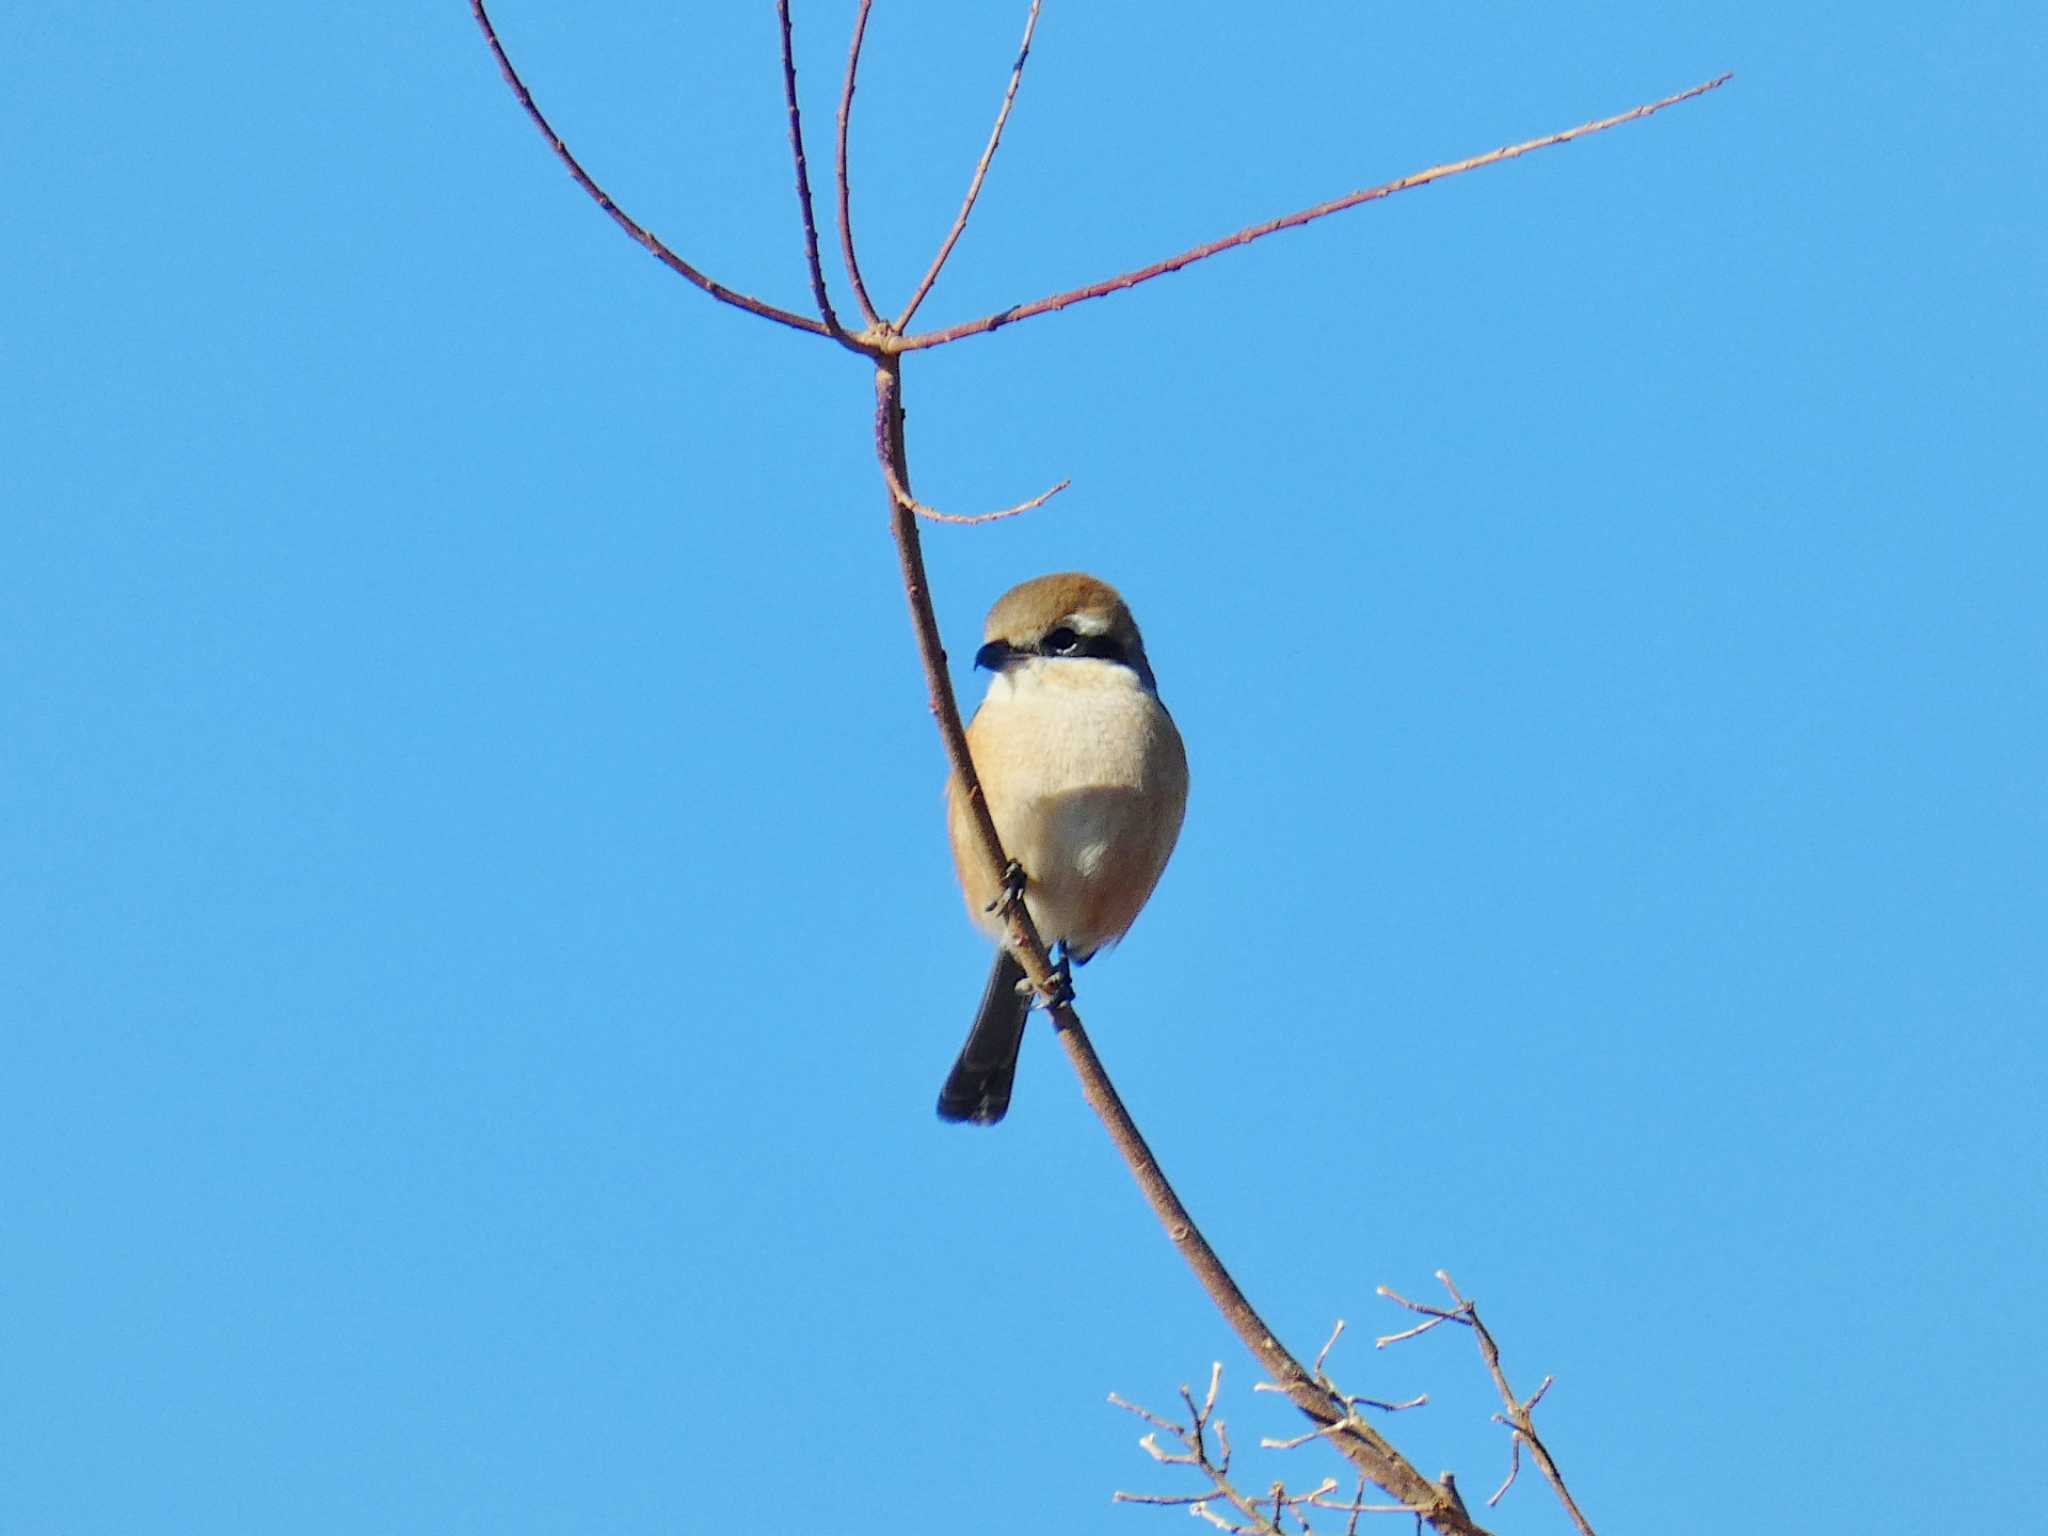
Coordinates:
(1520, 1412)
(1188, 258)
(988, 156)
(1336, 1416)
(888, 415)
(618, 215)
(1204, 1442)
(882, 338)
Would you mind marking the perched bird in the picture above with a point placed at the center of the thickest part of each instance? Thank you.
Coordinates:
(1086, 779)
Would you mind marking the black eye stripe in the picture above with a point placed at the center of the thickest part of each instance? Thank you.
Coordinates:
(1066, 642)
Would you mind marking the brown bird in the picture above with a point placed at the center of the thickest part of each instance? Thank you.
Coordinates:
(1087, 781)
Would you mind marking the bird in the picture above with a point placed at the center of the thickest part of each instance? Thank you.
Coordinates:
(1087, 780)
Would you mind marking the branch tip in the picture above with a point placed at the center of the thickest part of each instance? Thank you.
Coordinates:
(846, 246)
(639, 232)
(988, 156)
(1132, 279)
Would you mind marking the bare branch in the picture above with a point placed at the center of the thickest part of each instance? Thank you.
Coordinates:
(1436, 1502)
(803, 172)
(1267, 1514)
(1519, 1416)
(1149, 1444)
(1357, 1509)
(860, 289)
(1266, 1443)
(1022, 937)
(1514, 1468)
(1421, 1399)
(934, 515)
(1289, 221)
(1420, 1328)
(618, 215)
(910, 503)
(1361, 1444)
(1324, 1353)
(1146, 1414)
(1216, 1467)
(988, 156)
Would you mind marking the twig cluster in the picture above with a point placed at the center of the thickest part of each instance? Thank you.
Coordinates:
(884, 343)
(1519, 1414)
(1204, 1443)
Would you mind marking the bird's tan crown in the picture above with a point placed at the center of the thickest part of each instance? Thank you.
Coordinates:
(1023, 615)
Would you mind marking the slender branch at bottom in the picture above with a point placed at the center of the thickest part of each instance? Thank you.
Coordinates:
(1368, 1450)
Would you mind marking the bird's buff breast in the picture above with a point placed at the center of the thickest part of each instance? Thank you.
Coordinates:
(1087, 782)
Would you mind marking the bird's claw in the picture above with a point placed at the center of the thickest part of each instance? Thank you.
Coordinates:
(1062, 977)
(1012, 890)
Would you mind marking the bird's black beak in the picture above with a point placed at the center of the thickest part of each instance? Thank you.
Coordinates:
(994, 656)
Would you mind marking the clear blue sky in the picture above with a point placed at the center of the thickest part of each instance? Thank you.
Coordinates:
(477, 950)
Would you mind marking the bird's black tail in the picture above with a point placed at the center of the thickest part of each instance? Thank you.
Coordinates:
(978, 1089)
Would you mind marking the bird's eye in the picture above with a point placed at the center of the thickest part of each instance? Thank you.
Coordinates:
(1061, 642)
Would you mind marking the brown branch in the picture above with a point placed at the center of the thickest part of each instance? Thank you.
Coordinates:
(1438, 1503)
(1520, 1415)
(803, 173)
(647, 238)
(1323, 1354)
(1194, 1452)
(1057, 301)
(909, 503)
(860, 289)
(988, 156)
(1437, 1318)
(1514, 1469)
(1361, 1444)
(1023, 933)
(1193, 1437)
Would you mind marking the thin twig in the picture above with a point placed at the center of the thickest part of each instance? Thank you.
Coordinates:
(1518, 1416)
(1149, 1443)
(1514, 1468)
(1144, 1413)
(860, 289)
(988, 156)
(910, 503)
(1419, 1400)
(1420, 1328)
(803, 172)
(618, 215)
(1058, 301)
(1267, 1443)
(1216, 1467)
(1324, 1353)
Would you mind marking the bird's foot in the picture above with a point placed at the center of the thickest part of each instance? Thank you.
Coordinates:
(1062, 976)
(1012, 891)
